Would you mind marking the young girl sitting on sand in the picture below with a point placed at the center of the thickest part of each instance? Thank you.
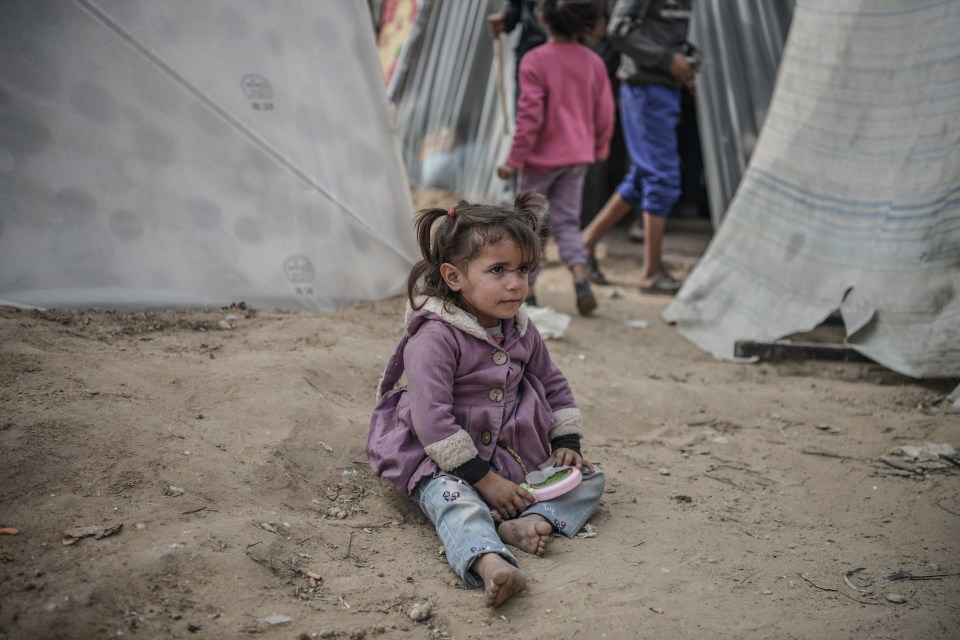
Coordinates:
(483, 404)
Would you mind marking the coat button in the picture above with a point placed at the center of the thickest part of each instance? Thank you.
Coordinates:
(499, 357)
(496, 395)
(485, 437)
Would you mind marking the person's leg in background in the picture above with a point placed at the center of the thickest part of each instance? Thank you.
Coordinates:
(542, 183)
(660, 162)
(563, 190)
(565, 196)
(630, 190)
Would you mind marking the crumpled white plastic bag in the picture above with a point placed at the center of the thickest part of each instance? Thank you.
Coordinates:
(550, 323)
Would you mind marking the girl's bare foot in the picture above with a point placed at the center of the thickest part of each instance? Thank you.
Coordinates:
(530, 533)
(501, 580)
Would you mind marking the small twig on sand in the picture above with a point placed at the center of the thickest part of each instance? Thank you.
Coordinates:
(385, 525)
(192, 511)
(740, 584)
(947, 510)
(815, 584)
(896, 464)
(315, 388)
(811, 451)
(714, 467)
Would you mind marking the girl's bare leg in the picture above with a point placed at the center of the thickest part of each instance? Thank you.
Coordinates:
(530, 533)
(501, 580)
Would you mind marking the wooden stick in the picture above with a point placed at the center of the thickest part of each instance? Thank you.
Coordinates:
(815, 584)
(501, 88)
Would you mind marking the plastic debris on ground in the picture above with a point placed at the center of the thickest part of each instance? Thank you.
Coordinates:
(70, 536)
(550, 323)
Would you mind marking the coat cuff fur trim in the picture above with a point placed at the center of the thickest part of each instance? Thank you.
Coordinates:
(453, 451)
(566, 422)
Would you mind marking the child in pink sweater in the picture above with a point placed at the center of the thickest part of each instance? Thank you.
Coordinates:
(565, 120)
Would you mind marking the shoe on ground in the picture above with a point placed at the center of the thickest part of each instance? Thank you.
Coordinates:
(663, 284)
(635, 232)
(586, 301)
(593, 271)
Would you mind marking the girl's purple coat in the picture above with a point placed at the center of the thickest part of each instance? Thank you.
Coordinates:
(466, 394)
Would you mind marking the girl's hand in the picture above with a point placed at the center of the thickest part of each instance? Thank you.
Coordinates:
(503, 495)
(506, 172)
(568, 458)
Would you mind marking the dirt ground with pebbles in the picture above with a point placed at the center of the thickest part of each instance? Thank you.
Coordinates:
(208, 470)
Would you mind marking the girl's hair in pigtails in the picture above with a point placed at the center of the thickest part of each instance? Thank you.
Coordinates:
(425, 275)
(531, 203)
(572, 18)
(457, 235)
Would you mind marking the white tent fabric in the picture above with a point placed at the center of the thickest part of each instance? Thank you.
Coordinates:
(190, 154)
(852, 196)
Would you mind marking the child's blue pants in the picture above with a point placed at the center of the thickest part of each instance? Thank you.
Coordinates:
(649, 115)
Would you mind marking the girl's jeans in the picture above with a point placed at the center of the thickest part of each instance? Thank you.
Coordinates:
(466, 527)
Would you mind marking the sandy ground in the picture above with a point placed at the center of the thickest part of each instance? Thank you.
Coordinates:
(739, 495)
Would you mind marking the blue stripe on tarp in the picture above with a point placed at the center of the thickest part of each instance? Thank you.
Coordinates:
(843, 84)
(881, 69)
(874, 104)
(886, 247)
(839, 220)
(844, 205)
(867, 157)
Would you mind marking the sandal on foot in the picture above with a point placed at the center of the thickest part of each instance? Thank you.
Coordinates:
(586, 302)
(663, 283)
(593, 271)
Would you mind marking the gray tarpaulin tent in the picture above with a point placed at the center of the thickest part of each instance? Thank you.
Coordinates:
(187, 154)
(741, 42)
(454, 100)
(851, 200)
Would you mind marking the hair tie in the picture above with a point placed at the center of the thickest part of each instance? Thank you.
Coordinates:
(450, 213)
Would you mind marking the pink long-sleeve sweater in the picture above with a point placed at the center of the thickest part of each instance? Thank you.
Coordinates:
(565, 114)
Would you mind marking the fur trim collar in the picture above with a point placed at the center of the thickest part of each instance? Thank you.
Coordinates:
(457, 317)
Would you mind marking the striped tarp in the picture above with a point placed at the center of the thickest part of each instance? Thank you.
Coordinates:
(851, 200)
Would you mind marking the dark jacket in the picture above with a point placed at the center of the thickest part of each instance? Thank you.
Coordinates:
(531, 32)
(648, 33)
